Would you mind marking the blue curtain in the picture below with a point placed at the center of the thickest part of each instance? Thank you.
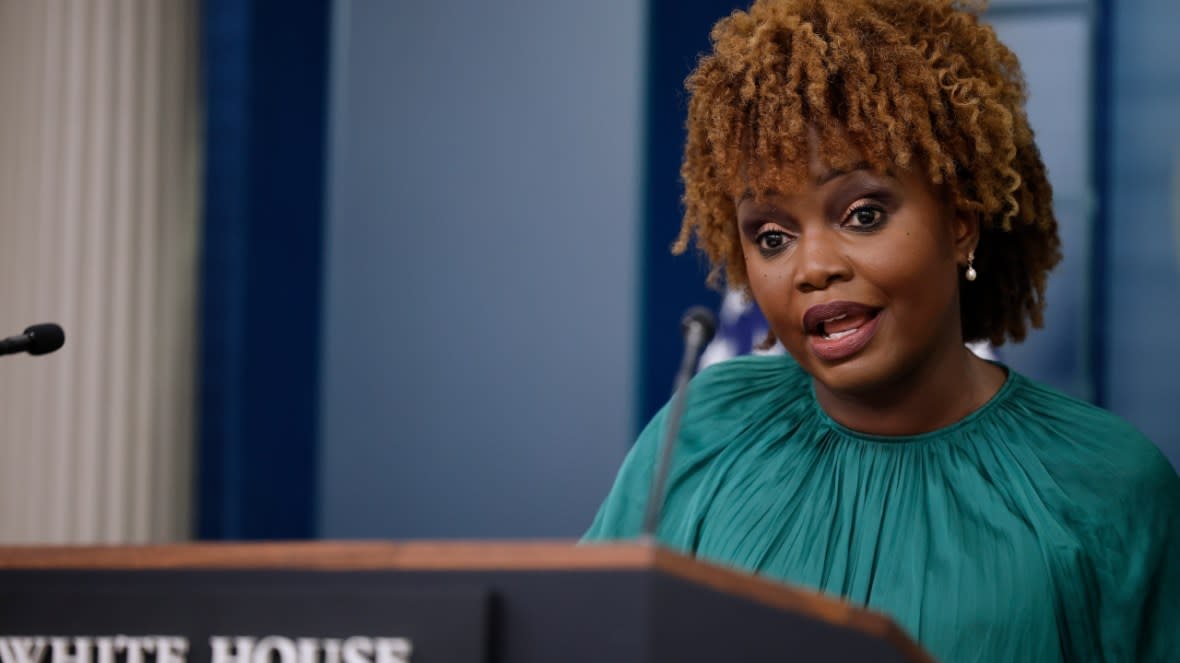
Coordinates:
(265, 84)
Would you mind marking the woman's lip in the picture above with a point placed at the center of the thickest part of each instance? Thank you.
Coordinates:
(841, 348)
(816, 315)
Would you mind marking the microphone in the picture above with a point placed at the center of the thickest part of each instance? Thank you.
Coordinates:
(697, 326)
(36, 340)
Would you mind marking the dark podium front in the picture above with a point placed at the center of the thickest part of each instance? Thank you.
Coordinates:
(416, 602)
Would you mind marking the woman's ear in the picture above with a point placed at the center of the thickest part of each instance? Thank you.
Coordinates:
(965, 232)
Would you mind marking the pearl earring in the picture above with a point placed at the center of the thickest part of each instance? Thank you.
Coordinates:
(970, 274)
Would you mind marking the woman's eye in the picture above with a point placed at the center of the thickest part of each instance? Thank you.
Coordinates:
(865, 217)
(771, 240)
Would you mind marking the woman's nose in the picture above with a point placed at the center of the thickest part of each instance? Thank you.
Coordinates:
(819, 261)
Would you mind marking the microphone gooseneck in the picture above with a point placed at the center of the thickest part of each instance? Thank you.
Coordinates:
(697, 327)
(36, 340)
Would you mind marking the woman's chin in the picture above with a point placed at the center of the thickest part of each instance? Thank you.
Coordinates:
(865, 373)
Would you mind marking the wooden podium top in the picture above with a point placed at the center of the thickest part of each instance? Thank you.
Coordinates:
(459, 556)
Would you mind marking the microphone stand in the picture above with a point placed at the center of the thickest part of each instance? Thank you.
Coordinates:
(698, 327)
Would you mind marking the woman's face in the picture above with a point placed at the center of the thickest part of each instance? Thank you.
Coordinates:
(857, 274)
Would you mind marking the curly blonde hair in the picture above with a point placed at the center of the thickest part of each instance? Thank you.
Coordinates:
(898, 84)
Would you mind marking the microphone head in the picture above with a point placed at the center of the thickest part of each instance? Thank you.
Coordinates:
(45, 338)
(700, 317)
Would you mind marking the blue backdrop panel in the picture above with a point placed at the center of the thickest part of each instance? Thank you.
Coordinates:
(481, 266)
(1143, 233)
(265, 88)
(1059, 109)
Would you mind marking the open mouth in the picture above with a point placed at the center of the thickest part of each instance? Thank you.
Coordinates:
(837, 330)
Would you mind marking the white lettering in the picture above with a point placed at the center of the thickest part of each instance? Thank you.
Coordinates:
(105, 650)
(393, 650)
(273, 643)
(331, 650)
(358, 650)
(309, 649)
(61, 650)
(136, 648)
(171, 649)
(225, 652)
(21, 650)
(225, 649)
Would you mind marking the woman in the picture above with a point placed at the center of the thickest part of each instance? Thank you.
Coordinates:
(865, 170)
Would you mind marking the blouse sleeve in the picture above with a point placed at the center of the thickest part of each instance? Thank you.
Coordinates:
(1135, 547)
(1157, 570)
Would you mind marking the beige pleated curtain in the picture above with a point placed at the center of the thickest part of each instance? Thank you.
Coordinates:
(99, 221)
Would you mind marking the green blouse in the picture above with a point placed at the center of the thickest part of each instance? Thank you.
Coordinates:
(1038, 528)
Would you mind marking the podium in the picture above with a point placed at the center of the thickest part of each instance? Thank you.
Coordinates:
(420, 602)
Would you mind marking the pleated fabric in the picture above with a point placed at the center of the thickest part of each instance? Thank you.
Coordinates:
(1038, 528)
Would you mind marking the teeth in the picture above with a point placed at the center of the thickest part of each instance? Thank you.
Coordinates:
(823, 326)
(841, 334)
(823, 331)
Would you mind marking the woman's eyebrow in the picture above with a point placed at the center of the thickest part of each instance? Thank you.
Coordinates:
(832, 173)
(822, 178)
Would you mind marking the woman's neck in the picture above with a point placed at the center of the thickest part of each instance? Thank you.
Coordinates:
(948, 385)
